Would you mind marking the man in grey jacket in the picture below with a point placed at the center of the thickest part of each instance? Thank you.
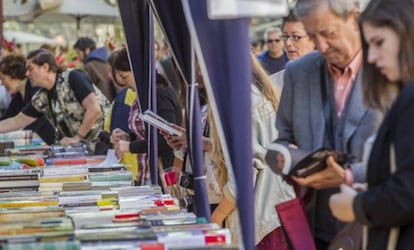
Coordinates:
(322, 106)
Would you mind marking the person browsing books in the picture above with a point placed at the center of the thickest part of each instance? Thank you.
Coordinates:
(321, 105)
(135, 140)
(66, 98)
(13, 77)
(387, 206)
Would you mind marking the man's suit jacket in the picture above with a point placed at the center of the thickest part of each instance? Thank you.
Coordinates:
(301, 121)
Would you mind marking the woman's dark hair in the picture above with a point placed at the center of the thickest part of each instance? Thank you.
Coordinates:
(42, 56)
(121, 61)
(397, 16)
(291, 17)
(14, 66)
(110, 61)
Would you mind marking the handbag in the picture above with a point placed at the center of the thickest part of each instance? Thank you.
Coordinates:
(349, 238)
(354, 236)
(295, 225)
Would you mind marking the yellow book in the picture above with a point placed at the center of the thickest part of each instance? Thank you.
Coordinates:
(17, 204)
(106, 202)
(63, 178)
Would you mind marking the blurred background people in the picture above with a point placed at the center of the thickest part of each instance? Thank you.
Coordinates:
(296, 42)
(95, 64)
(275, 57)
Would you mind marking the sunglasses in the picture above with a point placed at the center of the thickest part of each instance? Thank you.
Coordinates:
(273, 40)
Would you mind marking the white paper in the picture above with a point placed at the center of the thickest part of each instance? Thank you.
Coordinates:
(222, 9)
(110, 159)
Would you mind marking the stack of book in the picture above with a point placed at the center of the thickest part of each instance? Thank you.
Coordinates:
(108, 176)
(19, 179)
(64, 178)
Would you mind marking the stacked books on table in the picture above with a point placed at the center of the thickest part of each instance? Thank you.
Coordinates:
(64, 178)
(107, 176)
(85, 206)
(28, 220)
(20, 173)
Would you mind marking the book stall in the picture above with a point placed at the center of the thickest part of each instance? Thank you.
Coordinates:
(62, 198)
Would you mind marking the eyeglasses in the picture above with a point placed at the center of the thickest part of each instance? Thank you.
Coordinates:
(273, 40)
(293, 38)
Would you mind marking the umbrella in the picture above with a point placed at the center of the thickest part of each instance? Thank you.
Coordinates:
(26, 37)
(19, 10)
(94, 11)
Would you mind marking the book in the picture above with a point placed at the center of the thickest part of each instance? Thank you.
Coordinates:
(159, 122)
(302, 163)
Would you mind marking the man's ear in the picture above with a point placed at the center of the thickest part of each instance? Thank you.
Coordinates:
(355, 15)
(86, 52)
(356, 12)
(45, 67)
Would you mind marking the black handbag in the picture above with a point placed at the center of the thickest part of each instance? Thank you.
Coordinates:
(349, 238)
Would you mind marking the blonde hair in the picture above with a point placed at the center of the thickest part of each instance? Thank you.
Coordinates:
(262, 81)
(216, 151)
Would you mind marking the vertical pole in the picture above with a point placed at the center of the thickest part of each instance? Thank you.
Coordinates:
(1, 27)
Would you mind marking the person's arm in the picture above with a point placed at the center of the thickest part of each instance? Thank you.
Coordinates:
(88, 99)
(92, 114)
(16, 123)
(223, 210)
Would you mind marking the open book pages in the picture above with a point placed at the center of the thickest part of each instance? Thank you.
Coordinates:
(281, 156)
(159, 122)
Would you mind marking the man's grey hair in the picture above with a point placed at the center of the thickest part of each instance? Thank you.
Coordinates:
(341, 8)
(272, 30)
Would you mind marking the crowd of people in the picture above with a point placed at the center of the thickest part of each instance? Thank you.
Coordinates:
(331, 77)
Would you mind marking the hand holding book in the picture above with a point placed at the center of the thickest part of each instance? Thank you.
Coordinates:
(318, 169)
(160, 123)
(330, 177)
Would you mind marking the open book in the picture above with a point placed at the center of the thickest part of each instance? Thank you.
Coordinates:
(160, 123)
(302, 163)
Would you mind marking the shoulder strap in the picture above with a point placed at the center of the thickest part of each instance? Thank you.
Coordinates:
(395, 231)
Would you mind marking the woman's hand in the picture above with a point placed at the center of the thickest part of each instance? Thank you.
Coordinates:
(174, 141)
(121, 147)
(341, 204)
(117, 135)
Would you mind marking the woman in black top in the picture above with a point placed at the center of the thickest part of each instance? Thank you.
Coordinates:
(13, 77)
